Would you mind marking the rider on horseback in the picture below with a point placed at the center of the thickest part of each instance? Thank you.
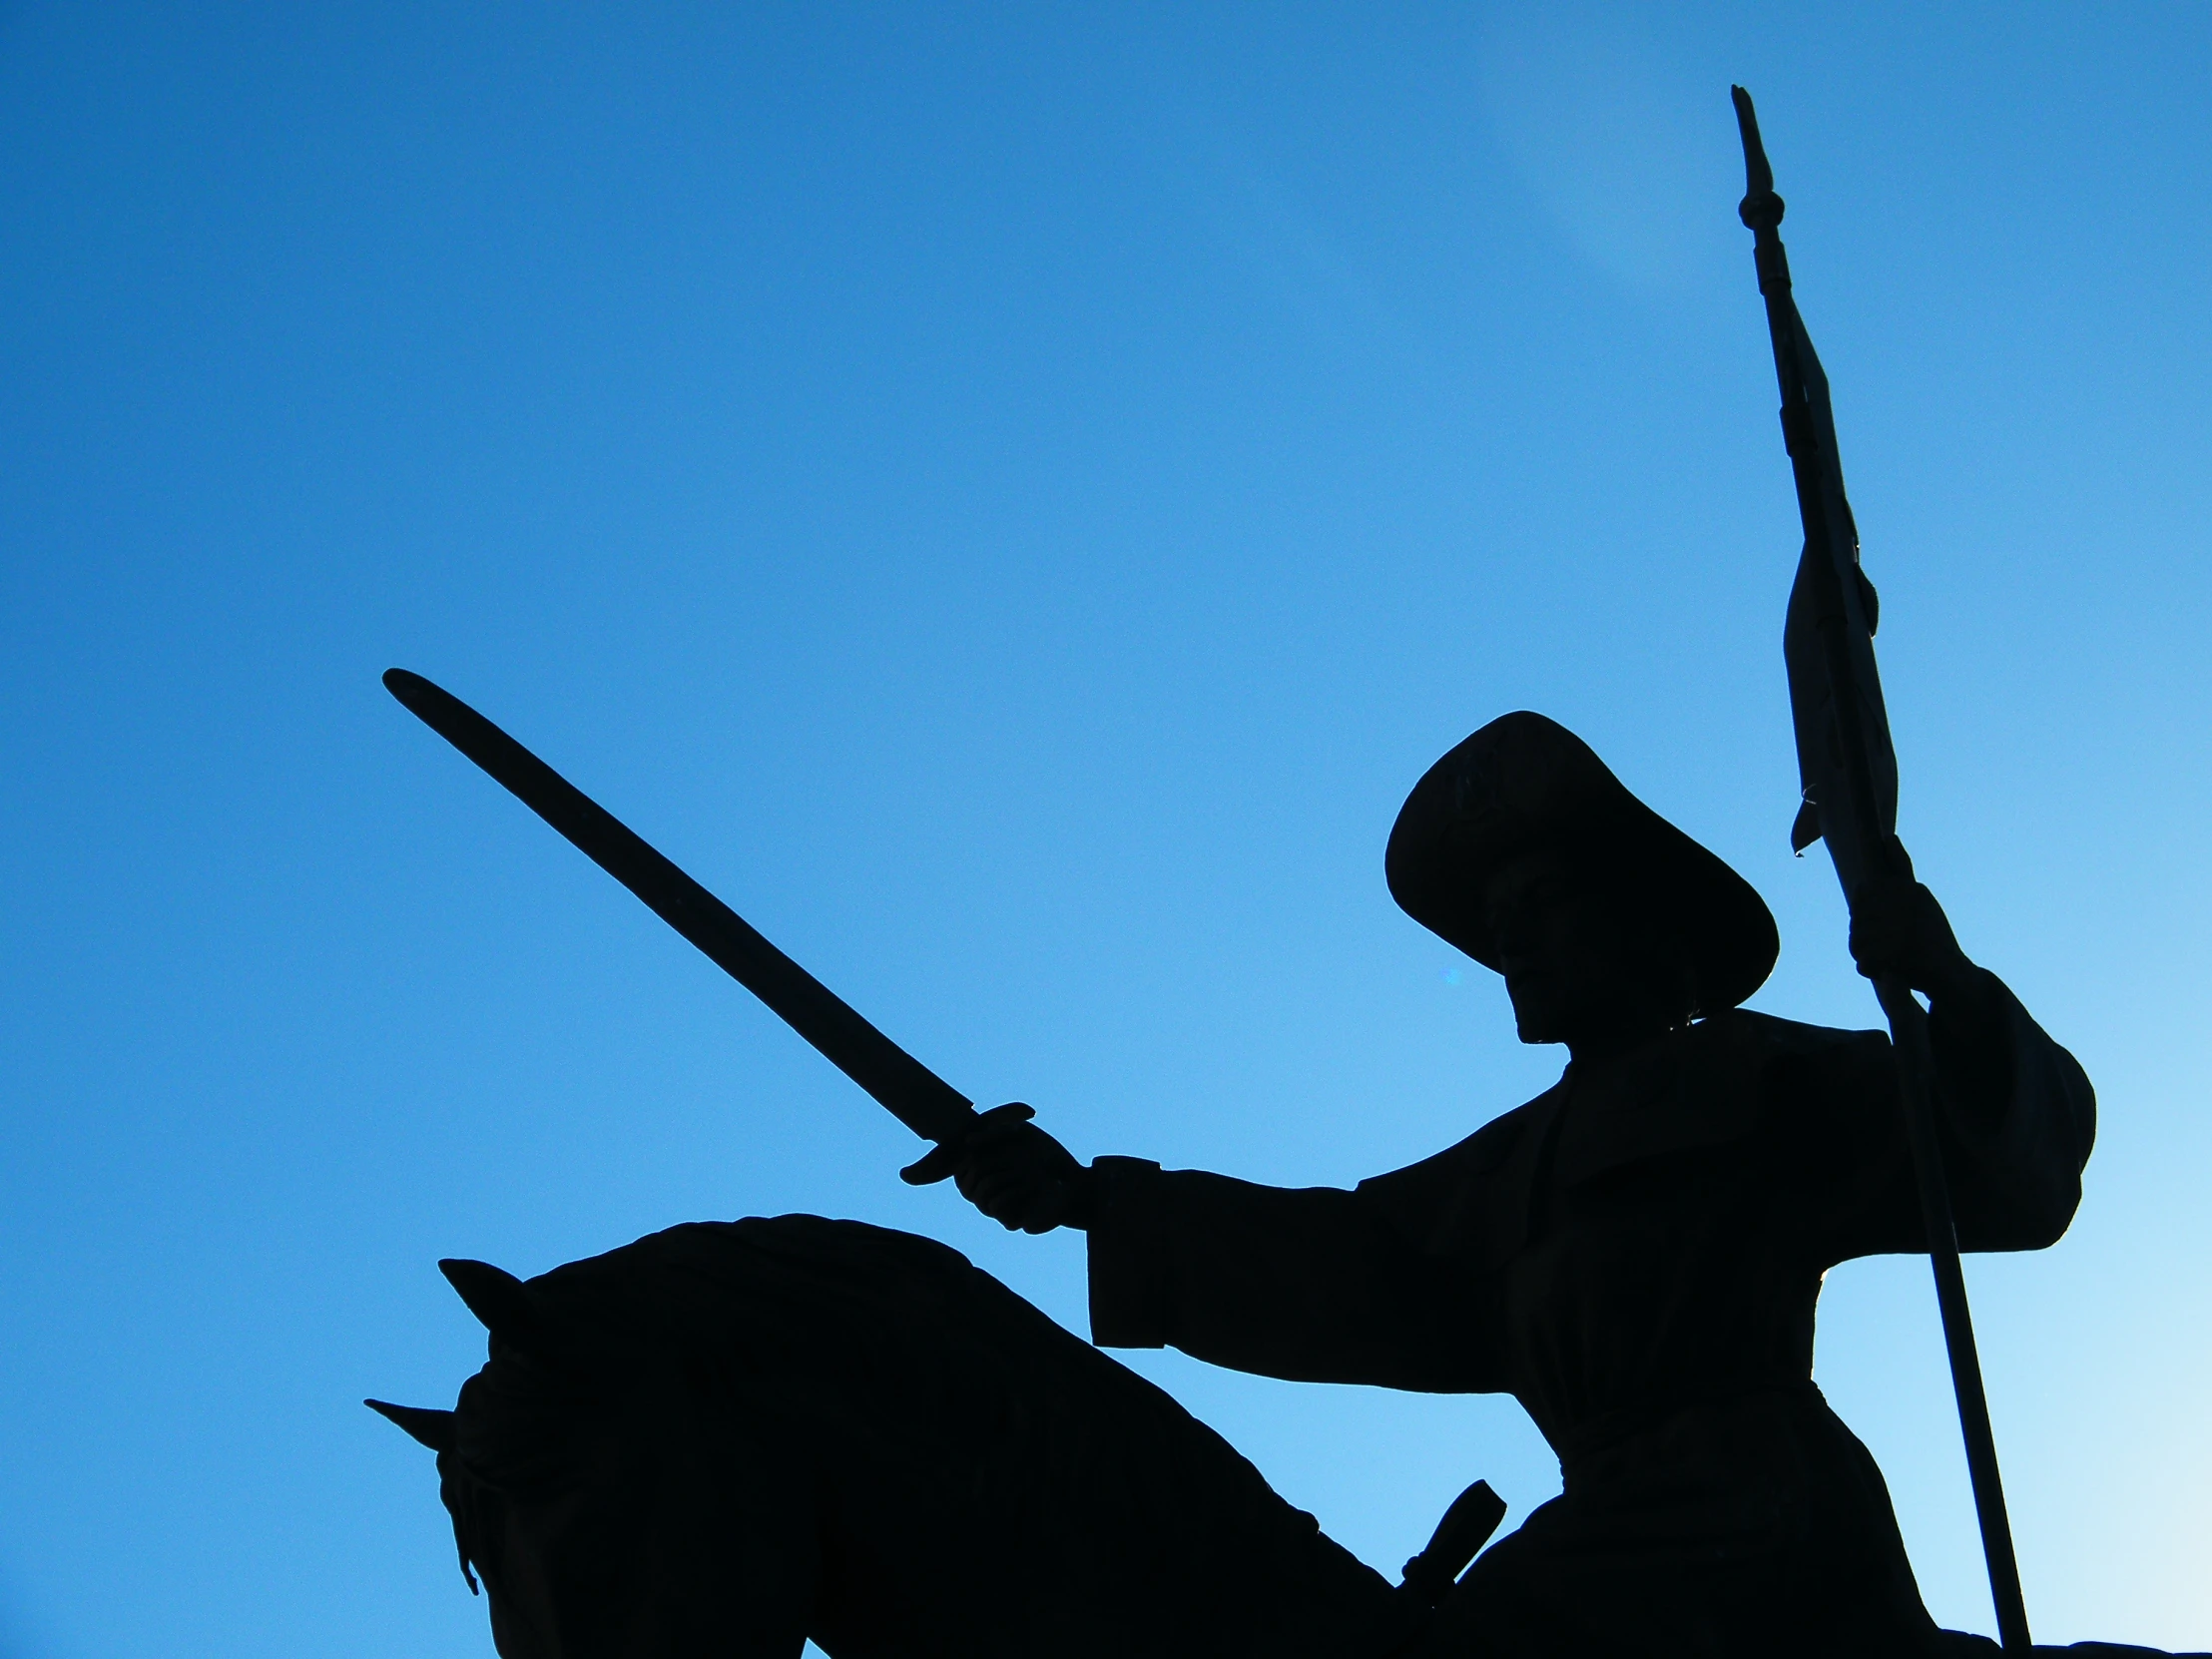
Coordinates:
(1635, 1255)
(735, 1436)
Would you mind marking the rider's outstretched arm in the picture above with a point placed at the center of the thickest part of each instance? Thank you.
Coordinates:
(1312, 1283)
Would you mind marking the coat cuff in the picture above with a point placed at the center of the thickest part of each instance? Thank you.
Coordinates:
(1128, 1301)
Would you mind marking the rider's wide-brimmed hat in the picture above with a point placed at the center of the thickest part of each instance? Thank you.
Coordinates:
(1525, 783)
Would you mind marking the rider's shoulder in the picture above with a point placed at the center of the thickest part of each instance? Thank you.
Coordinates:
(1746, 1033)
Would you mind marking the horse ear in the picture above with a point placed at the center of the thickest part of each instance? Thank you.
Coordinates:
(500, 1303)
(431, 1428)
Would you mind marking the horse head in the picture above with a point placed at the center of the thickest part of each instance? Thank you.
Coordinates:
(589, 1490)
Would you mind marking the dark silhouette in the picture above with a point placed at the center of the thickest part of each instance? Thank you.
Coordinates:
(908, 1089)
(1848, 772)
(729, 1436)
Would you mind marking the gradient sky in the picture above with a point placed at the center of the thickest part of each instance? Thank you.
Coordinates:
(1011, 499)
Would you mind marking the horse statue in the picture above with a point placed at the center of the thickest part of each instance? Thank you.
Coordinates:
(730, 1438)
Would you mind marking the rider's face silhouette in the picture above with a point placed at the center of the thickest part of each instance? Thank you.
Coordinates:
(1584, 964)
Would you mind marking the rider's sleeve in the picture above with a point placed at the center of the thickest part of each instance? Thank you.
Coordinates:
(1313, 1285)
(2014, 1113)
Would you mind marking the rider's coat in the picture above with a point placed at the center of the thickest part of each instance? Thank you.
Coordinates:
(1635, 1256)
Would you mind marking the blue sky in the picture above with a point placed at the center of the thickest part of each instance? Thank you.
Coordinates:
(1011, 499)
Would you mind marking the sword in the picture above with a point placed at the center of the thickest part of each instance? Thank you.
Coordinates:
(902, 1084)
(1849, 769)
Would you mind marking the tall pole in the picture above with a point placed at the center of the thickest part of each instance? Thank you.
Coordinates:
(1849, 769)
